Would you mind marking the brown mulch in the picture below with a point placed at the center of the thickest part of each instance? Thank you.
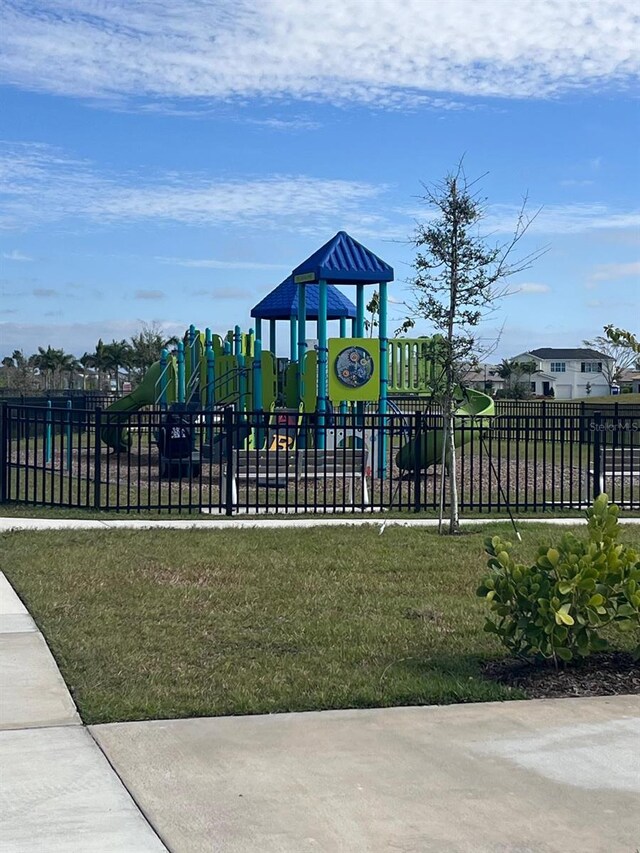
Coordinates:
(603, 674)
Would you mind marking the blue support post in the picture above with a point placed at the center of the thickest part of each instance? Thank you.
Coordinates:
(242, 383)
(237, 340)
(164, 379)
(192, 351)
(259, 329)
(47, 437)
(322, 361)
(302, 337)
(272, 336)
(181, 378)
(293, 337)
(384, 371)
(343, 334)
(227, 347)
(359, 333)
(257, 391)
(211, 393)
(68, 435)
(359, 327)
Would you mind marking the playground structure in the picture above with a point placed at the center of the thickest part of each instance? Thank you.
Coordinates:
(350, 374)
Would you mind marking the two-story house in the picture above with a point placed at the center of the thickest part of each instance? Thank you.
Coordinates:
(565, 373)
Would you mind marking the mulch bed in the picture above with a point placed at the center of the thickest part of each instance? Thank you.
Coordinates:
(604, 674)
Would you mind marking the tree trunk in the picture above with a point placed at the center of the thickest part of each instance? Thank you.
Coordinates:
(454, 511)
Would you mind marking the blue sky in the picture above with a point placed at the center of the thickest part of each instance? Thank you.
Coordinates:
(173, 161)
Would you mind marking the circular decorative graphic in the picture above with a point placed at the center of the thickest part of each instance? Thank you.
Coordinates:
(354, 367)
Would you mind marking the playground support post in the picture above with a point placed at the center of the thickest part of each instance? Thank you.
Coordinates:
(242, 383)
(272, 336)
(302, 337)
(181, 378)
(237, 341)
(211, 381)
(343, 334)
(192, 351)
(258, 328)
(322, 360)
(384, 375)
(164, 367)
(257, 388)
(359, 327)
(293, 338)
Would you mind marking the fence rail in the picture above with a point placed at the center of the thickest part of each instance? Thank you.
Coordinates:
(229, 462)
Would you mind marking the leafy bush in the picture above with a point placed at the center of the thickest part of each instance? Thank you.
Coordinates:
(558, 607)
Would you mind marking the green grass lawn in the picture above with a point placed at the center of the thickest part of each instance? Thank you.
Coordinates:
(159, 624)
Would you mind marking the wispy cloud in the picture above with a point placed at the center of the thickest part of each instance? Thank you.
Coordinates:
(149, 294)
(45, 293)
(609, 272)
(213, 264)
(39, 183)
(226, 293)
(15, 255)
(563, 218)
(532, 287)
(389, 53)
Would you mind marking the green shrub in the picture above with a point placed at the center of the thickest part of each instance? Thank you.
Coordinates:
(558, 607)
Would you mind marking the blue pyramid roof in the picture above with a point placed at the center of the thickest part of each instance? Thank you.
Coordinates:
(282, 303)
(344, 261)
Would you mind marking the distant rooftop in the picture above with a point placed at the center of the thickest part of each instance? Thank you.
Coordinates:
(553, 352)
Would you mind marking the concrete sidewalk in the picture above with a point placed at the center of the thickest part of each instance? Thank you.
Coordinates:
(58, 792)
(11, 524)
(550, 776)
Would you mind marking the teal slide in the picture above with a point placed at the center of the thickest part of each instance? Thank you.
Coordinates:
(474, 405)
(117, 436)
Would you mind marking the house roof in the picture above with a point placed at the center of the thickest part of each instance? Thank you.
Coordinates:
(342, 260)
(553, 352)
(282, 303)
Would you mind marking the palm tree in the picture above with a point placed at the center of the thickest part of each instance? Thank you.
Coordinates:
(100, 360)
(46, 360)
(86, 361)
(118, 354)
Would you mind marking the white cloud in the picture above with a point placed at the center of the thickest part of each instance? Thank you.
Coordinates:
(15, 255)
(608, 272)
(372, 51)
(40, 184)
(149, 294)
(563, 218)
(532, 287)
(213, 264)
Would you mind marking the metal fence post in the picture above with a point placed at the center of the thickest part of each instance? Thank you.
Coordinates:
(4, 455)
(417, 460)
(597, 452)
(228, 441)
(97, 463)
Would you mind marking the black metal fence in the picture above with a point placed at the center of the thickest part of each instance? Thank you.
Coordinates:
(229, 462)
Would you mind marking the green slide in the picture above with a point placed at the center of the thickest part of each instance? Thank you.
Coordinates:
(474, 405)
(117, 436)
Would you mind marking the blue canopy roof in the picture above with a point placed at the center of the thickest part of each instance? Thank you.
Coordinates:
(282, 303)
(344, 261)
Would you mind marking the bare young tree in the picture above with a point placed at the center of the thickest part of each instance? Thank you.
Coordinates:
(619, 349)
(459, 276)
